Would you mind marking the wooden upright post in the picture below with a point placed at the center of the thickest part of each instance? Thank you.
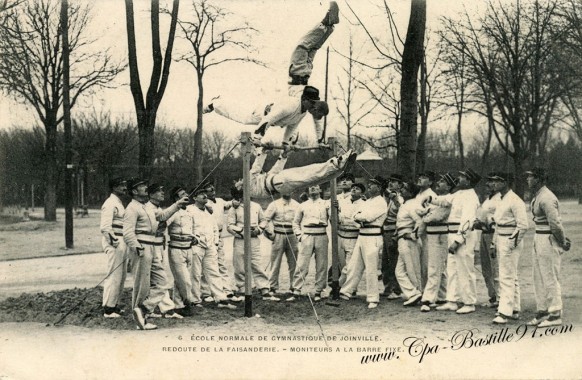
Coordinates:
(247, 152)
(335, 288)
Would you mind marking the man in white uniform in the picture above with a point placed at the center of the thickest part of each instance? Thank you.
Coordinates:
(140, 227)
(217, 207)
(114, 247)
(279, 216)
(424, 182)
(236, 227)
(370, 215)
(205, 256)
(348, 229)
(549, 244)
(510, 227)
(310, 227)
(461, 279)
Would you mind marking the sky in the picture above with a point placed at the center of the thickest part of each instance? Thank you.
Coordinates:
(280, 24)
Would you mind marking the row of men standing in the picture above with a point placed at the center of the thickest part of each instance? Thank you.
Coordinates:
(421, 240)
(195, 253)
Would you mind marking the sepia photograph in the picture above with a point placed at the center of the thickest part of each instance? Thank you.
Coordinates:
(290, 189)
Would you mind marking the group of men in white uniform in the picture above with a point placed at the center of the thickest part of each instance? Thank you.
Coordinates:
(444, 225)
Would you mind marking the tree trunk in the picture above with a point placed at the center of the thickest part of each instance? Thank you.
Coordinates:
(421, 143)
(198, 156)
(146, 125)
(460, 138)
(50, 197)
(411, 60)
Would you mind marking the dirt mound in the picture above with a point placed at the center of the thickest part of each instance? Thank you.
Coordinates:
(52, 306)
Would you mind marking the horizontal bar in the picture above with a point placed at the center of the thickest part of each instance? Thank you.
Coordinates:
(269, 146)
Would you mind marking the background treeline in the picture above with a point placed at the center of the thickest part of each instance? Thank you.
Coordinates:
(104, 149)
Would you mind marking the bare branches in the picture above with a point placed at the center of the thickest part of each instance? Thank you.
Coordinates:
(206, 36)
(31, 61)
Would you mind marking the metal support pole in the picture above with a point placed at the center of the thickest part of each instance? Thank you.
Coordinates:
(335, 288)
(67, 127)
(247, 151)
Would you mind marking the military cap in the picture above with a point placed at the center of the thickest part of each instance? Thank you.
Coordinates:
(135, 182)
(154, 188)
(347, 177)
(116, 182)
(378, 180)
(359, 186)
(449, 179)
(310, 93)
(471, 175)
(428, 174)
(537, 172)
(174, 192)
(396, 177)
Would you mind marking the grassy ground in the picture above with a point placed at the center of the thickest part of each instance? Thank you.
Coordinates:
(37, 238)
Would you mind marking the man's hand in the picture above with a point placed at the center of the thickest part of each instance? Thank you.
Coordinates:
(335, 204)
(298, 236)
(183, 202)
(139, 251)
(566, 245)
(454, 247)
(426, 201)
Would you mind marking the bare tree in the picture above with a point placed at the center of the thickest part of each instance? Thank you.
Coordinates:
(147, 109)
(512, 54)
(208, 33)
(403, 58)
(31, 69)
(429, 89)
(351, 109)
(412, 56)
(570, 13)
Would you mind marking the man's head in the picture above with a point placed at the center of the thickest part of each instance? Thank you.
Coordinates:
(318, 108)
(499, 182)
(345, 181)
(314, 191)
(210, 190)
(468, 179)
(409, 190)
(536, 178)
(425, 179)
(357, 190)
(395, 182)
(445, 184)
(376, 186)
(138, 188)
(178, 193)
(156, 193)
(118, 186)
(199, 196)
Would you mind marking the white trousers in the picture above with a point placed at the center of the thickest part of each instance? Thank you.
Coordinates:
(509, 295)
(364, 260)
(205, 260)
(462, 282)
(436, 284)
(310, 245)
(117, 272)
(259, 270)
(408, 267)
(181, 267)
(283, 244)
(345, 251)
(546, 273)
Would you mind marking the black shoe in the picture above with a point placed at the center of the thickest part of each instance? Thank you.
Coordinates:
(332, 16)
(261, 130)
